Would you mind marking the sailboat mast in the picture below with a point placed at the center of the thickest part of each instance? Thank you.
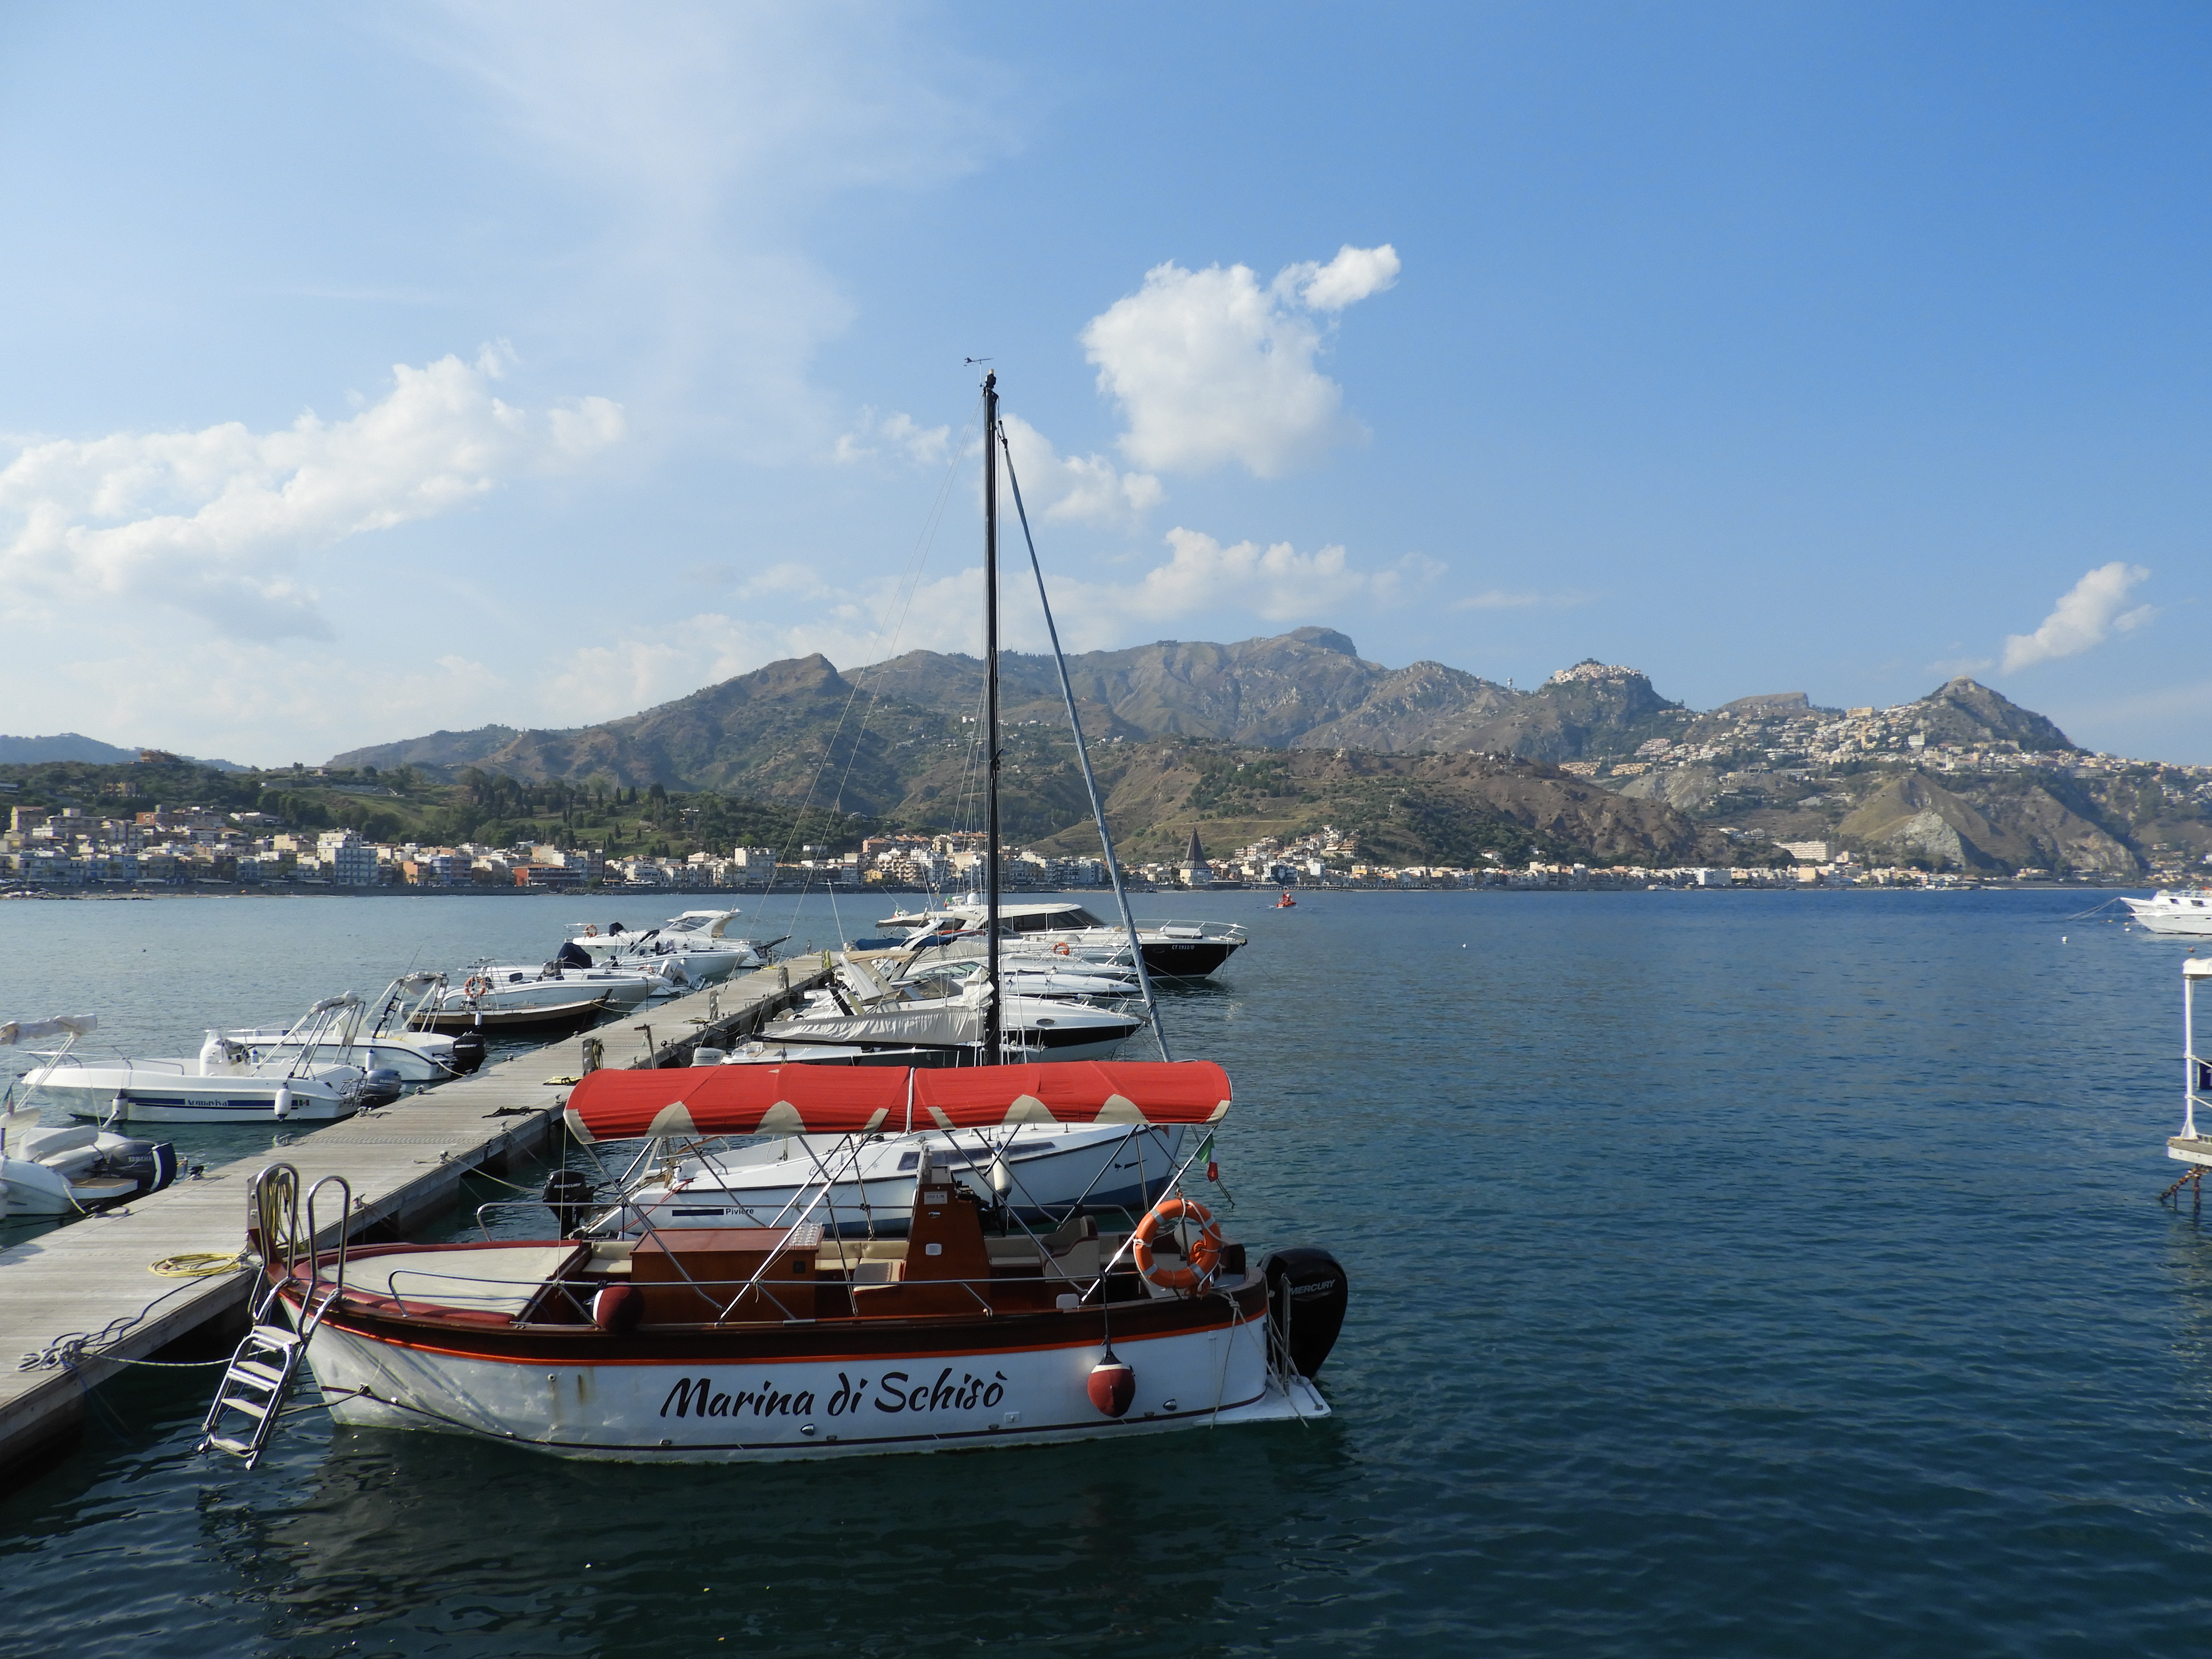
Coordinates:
(991, 1012)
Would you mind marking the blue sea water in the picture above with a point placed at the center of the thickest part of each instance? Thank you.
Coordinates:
(1732, 1273)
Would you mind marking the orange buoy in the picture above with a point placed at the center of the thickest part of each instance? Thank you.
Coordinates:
(1204, 1249)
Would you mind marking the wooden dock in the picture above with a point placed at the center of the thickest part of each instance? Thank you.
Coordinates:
(404, 1162)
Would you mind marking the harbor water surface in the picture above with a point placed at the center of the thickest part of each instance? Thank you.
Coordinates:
(1758, 1273)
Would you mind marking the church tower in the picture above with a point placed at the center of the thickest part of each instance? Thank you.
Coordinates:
(1195, 870)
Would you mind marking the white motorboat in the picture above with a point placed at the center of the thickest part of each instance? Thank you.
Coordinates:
(698, 940)
(224, 1084)
(856, 1011)
(1057, 978)
(418, 1057)
(1173, 949)
(73, 1169)
(2188, 912)
(556, 988)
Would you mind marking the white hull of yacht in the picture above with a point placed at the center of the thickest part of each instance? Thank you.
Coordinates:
(712, 1411)
(2185, 914)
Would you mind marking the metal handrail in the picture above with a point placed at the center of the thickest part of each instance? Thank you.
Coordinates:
(310, 1314)
(506, 1204)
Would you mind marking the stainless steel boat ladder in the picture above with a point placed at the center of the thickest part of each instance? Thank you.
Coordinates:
(258, 1379)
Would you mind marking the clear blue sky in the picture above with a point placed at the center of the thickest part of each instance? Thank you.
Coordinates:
(369, 370)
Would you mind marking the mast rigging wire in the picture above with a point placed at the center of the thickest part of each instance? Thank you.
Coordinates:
(1083, 754)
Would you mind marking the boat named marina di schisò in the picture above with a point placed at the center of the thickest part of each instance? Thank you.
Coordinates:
(758, 1343)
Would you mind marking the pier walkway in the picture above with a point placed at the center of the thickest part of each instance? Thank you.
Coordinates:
(404, 1162)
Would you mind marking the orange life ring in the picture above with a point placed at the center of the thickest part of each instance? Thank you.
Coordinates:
(1062, 950)
(1204, 1249)
(591, 930)
(477, 987)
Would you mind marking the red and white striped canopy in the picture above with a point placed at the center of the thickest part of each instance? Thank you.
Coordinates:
(743, 1100)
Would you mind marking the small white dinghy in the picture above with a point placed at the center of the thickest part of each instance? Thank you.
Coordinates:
(73, 1169)
(67, 1168)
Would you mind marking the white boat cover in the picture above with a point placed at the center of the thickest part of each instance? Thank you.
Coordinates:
(936, 1027)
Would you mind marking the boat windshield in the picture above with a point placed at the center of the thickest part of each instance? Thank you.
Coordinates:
(1045, 921)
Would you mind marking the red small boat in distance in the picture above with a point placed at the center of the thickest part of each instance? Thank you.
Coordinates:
(1286, 903)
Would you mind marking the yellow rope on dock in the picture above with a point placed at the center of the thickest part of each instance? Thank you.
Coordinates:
(197, 1264)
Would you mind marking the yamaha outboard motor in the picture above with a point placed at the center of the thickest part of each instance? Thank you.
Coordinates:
(572, 955)
(469, 1050)
(567, 1194)
(151, 1164)
(1306, 1298)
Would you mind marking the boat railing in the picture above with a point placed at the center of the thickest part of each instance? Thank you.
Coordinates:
(484, 1226)
(273, 1208)
(477, 1293)
(1206, 929)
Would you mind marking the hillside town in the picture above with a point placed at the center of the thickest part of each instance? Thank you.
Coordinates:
(69, 850)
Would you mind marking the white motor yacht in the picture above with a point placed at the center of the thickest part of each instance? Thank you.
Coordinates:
(1173, 949)
(2188, 912)
(697, 939)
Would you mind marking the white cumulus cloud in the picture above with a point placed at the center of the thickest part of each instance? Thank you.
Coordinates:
(1067, 487)
(217, 521)
(2086, 616)
(1210, 367)
(1276, 582)
(899, 434)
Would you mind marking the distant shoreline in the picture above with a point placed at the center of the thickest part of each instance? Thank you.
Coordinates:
(1994, 885)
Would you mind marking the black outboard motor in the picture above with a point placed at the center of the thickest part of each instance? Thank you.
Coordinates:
(381, 1086)
(469, 1050)
(151, 1164)
(572, 955)
(567, 1194)
(1306, 1296)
